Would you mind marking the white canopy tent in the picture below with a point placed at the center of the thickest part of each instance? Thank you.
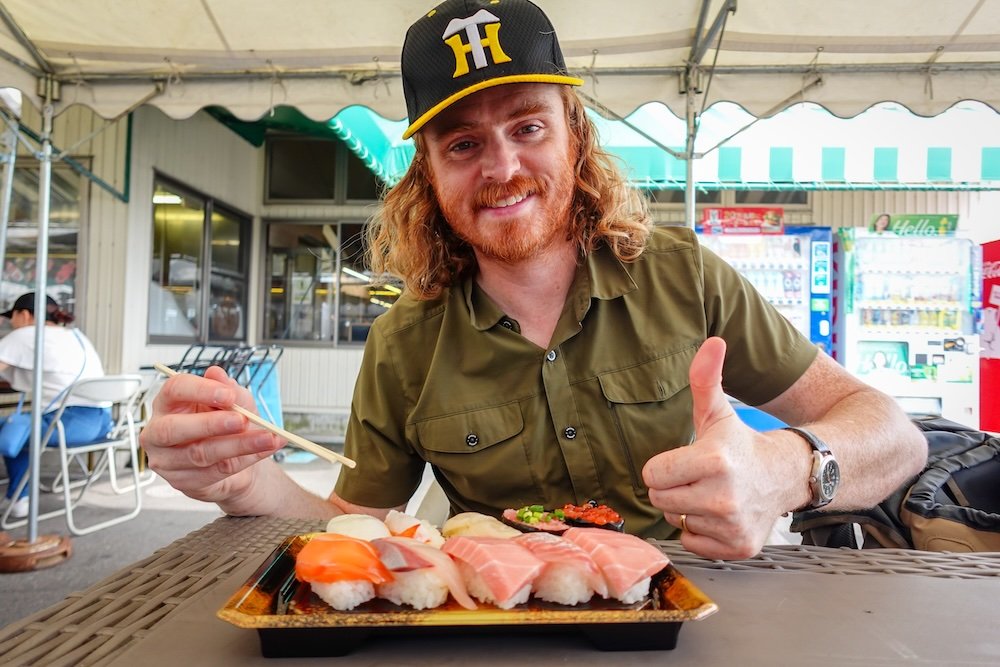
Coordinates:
(321, 56)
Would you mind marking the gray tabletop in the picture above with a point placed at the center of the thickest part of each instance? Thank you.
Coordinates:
(789, 605)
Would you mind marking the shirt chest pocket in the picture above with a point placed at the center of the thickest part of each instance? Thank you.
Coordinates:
(650, 408)
(481, 453)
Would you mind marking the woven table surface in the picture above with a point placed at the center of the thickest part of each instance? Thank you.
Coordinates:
(93, 626)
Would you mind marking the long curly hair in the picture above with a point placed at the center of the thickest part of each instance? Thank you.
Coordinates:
(409, 237)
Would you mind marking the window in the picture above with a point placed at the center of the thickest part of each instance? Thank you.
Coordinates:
(66, 206)
(308, 169)
(197, 241)
(675, 196)
(319, 288)
(772, 198)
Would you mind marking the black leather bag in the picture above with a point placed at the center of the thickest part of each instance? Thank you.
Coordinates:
(952, 505)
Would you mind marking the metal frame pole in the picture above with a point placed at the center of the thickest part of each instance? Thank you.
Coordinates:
(41, 279)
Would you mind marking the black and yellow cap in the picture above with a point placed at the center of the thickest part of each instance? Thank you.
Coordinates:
(463, 46)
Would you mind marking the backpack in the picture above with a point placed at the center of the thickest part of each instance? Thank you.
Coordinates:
(952, 505)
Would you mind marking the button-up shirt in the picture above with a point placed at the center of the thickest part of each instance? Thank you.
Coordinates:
(505, 423)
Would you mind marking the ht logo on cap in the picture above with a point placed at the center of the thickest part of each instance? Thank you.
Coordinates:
(470, 26)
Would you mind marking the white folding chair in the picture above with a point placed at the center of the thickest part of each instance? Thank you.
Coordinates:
(122, 392)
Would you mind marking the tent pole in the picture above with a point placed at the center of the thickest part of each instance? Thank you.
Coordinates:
(691, 116)
(9, 140)
(41, 277)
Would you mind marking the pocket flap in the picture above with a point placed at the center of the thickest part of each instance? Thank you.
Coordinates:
(471, 432)
(652, 381)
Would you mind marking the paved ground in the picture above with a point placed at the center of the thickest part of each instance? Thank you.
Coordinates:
(166, 516)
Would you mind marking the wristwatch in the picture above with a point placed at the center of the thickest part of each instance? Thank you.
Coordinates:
(825, 476)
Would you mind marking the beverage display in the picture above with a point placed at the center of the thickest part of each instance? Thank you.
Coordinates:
(793, 270)
(907, 318)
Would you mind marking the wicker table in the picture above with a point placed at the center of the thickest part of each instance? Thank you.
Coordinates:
(886, 607)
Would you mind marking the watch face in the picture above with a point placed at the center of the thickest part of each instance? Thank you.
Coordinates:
(830, 478)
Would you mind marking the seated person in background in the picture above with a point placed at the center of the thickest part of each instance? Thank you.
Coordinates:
(551, 346)
(67, 356)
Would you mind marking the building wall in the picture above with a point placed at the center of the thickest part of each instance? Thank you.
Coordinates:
(201, 153)
(204, 155)
(100, 310)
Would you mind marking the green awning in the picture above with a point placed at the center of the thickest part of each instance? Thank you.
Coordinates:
(803, 147)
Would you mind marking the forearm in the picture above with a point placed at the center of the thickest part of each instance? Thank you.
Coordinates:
(876, 445)
(271, 492)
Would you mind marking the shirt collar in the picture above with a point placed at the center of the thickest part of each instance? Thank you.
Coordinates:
(605, 278)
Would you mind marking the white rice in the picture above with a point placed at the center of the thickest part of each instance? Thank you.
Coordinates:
(636, 592)
(478, 589)
(421, 589)
(562, 584)
(344, 595)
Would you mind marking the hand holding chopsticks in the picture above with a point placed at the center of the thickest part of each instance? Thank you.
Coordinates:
(292, 439)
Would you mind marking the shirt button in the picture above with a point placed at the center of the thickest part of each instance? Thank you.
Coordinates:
(507, 324)
(570, 432)
(551, 356)
(472, 440)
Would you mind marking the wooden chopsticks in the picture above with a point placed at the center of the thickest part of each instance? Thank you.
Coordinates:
(292, 439)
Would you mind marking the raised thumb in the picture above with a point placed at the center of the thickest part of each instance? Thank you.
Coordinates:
(709, 402)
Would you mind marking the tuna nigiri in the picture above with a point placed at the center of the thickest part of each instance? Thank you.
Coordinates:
(341, 570)
(495, 569)
(423, 575)
(570, 575)
(626, 561)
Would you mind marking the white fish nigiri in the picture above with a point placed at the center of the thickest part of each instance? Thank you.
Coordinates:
(474, 524)
(405, 525)
(361, 526)
(422, 575)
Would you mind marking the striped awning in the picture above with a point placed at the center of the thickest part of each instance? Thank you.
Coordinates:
(803, 147)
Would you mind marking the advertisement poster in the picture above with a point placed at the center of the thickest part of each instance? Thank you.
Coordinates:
(749, 220)
(914, 224)
(989, 355)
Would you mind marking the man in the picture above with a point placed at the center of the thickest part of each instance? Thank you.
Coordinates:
(550, 346)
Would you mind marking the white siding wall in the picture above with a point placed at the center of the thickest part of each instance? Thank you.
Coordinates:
(100, 308)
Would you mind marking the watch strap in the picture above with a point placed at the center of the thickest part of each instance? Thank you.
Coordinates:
(810, 437)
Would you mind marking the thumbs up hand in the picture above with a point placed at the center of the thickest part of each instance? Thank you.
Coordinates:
(722, 482)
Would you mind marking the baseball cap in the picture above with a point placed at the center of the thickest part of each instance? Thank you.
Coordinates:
(27, 302)
(463, 46)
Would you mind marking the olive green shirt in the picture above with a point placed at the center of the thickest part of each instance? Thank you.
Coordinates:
(505, 423)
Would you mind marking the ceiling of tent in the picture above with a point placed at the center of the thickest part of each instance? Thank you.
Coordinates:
(321, 56)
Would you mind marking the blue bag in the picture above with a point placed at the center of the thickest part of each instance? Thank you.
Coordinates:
(15, 431)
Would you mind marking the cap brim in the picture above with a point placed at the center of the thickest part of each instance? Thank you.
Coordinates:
(8, 314)
(482, 85)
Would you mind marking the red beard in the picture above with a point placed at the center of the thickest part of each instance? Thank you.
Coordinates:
(517, 238)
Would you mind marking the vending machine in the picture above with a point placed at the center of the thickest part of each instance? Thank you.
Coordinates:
(909, 302)
(989, 358)
(791, 266)
(792, 270)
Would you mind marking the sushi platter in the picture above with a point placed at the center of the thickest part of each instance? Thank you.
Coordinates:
(293, 621)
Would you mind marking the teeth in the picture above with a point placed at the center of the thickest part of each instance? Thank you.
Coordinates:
(509, 201)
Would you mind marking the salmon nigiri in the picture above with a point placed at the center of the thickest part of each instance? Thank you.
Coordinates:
(341, 570)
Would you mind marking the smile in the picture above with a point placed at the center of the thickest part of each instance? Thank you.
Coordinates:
(509, 201)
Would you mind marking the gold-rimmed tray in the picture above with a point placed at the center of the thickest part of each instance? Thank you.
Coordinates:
(292, 621)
